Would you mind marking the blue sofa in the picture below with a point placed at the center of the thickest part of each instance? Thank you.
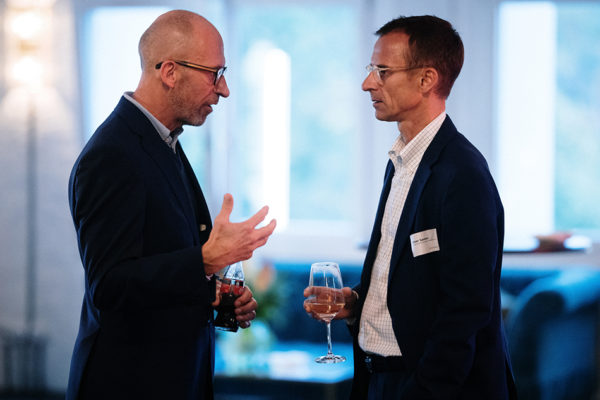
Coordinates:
(551, 319)
(552, 324)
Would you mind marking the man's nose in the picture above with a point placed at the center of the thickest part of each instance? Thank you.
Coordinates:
(369, 82)
(221, 87)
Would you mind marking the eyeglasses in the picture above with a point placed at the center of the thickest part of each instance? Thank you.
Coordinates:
(218, 71)
(380, 71)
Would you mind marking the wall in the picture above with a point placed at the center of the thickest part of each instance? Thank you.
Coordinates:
(58, 274)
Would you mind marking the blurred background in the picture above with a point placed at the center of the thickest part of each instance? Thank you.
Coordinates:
(298, 133)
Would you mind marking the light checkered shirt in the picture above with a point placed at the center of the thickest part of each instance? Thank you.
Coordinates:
(376, 334)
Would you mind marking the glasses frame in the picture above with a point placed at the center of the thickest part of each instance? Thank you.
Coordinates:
(377, 69)
(218, 71)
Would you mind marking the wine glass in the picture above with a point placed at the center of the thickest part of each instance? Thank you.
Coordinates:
(326, 300)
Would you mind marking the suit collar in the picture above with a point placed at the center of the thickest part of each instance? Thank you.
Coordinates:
(161, 153)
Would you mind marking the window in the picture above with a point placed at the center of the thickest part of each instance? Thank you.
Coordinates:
(294, 93)
(288, 134)
(110, 60)
(549, 116)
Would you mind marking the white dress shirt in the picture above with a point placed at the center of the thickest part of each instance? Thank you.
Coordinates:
(376, 334)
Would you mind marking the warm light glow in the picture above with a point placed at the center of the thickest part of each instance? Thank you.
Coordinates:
(28, 49)
(29, 4)
(28, 25)
(27, 71)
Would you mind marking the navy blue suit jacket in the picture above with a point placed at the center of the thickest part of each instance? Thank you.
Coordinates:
(445, 305)
(145, 330)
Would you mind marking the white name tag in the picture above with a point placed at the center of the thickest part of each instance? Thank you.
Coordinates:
(424, 242)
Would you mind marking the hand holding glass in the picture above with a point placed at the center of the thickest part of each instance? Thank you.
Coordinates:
(326, 300)
(232, 285)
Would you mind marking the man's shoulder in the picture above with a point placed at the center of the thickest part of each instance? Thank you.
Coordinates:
(112, 143)
(457, 147)
(117, 128)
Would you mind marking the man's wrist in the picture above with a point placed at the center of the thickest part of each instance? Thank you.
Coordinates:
(207, 260)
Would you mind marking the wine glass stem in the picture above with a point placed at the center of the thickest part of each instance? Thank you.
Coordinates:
(329, 352)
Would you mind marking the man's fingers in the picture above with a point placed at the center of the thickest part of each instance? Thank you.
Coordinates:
(218, 294)
(307, 306)
(227, 206)
(267, 229)
(245, 305)
(244, 298)
(245, 324)
(257, 238)
(247, 312)
(258, 217)
(308, 291)
(263, 234)
(348, 294)
(246, 308)
(249, 316)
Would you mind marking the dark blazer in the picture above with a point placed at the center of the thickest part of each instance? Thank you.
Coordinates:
(445, 305)
(146, 322)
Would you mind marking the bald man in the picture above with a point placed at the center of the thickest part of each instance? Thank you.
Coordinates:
(146, 240)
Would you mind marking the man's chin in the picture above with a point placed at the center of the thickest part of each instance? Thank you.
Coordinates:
(196, 121)
(383, 117)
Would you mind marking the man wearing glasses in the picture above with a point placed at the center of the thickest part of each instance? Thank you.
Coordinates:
(426, 315)
(147, 243)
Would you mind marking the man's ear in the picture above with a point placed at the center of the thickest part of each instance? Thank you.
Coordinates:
(429, 80)
(168, 74)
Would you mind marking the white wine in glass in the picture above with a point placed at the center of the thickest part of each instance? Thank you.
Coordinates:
(326, 300)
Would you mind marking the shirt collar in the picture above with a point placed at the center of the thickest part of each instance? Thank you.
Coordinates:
(410, 154)
(170, 138)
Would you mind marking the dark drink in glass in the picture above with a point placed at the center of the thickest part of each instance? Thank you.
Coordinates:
(232, 285)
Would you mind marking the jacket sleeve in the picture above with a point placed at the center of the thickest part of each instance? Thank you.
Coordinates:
(108, 205)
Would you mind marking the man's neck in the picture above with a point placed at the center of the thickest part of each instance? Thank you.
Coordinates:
(411, 127)
(155, 106)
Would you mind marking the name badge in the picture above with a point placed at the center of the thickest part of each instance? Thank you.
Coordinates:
(424, 242)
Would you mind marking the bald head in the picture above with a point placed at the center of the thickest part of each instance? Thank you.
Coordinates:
(177, 35)
(177, 93)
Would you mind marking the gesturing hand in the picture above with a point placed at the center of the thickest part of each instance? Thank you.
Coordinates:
(230, 242)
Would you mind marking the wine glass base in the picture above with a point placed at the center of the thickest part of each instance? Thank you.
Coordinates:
(330, 359)
(227, 328)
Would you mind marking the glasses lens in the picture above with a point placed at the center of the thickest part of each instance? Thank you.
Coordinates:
(374, 68)
(219, 74)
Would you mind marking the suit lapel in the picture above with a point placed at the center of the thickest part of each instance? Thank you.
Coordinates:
(202, 212)
(446, 132)
(162, 155)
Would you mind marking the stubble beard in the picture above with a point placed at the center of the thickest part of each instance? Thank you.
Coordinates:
(184, 113)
